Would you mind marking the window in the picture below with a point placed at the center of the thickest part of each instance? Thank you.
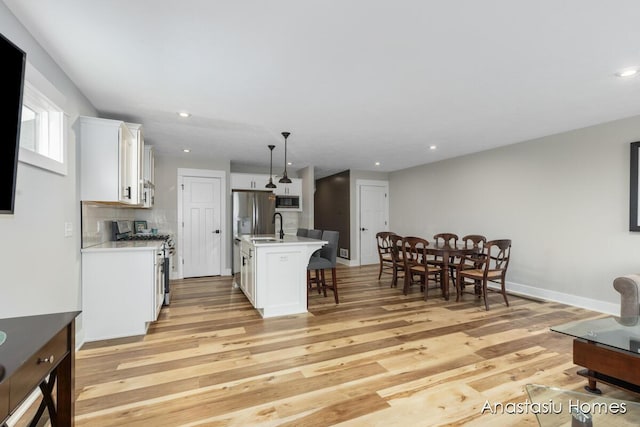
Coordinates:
(43, 129)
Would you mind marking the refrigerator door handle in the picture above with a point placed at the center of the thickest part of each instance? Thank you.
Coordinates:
(255, 214)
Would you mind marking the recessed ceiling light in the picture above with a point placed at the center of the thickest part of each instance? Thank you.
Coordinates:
(184, 114)
(289, 163)
(377, 163)
(627, 73)
(432, 147)
(186, 150)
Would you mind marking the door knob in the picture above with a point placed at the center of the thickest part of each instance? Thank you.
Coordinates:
(217, 231)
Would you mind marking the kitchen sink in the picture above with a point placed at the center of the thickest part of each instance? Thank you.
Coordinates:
(264, 240)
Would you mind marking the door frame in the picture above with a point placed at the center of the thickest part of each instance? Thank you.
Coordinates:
(204, 173)
(359, 184)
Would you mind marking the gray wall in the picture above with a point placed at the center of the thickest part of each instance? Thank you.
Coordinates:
(562, 199)
(40, 267)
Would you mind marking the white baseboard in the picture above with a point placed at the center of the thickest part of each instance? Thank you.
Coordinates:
(347, 262)
(568, 299)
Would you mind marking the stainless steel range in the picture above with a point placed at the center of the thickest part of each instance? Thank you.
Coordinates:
(121, 230)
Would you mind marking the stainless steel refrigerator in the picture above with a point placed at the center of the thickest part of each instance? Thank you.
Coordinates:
(252, 213)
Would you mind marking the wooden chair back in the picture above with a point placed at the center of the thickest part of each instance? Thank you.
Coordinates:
(396, 257)
(475, 241)
(384, 245)
(450, 239)
(414, 251)
(498, 253)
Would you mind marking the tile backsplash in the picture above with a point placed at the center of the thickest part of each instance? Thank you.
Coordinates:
(96, 222)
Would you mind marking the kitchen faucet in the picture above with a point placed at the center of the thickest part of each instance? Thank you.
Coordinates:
(274, 221)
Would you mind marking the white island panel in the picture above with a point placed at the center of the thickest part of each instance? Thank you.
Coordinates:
(280, 276)
(284, 268)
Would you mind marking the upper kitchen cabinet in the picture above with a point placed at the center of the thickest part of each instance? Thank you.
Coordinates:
(148, 177)
(110, 167)
(293, 189)
(137, 161)
(248, 181)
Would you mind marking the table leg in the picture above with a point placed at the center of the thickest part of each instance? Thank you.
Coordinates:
(591, 387)
(66, 382)
(445, 274)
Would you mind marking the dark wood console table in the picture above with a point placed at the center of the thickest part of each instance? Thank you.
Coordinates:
(39, 351)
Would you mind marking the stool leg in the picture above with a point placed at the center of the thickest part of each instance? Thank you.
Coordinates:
(319, 280)
(335, 284)
(324, 283)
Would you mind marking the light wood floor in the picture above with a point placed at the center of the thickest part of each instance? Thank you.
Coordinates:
(378, 358)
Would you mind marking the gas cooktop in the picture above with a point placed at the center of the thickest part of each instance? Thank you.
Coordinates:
(145, 237)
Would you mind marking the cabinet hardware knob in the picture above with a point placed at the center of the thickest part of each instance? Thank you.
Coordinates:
(46, 359)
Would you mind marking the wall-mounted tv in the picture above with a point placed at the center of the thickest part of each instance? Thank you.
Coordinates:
(13, 60)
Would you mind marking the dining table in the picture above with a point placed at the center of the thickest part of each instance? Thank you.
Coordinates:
(446, 251)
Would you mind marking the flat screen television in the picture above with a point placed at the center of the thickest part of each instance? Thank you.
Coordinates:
(13, 60)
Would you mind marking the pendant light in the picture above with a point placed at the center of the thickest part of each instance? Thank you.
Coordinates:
(285, 179)
(271, 184)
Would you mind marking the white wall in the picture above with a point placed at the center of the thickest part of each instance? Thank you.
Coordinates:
(354, 176)
(165, 210)
(562, 199)
(308, 190)
(39, 267)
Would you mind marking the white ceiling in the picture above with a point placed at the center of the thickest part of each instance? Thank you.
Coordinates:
(355, 82)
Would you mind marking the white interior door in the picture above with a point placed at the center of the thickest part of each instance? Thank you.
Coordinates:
(201, 214)
(373, 219)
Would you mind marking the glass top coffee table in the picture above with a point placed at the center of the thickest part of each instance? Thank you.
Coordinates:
(608, 349)
(557, 407)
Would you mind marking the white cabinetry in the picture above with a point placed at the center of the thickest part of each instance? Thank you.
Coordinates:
(247, 271)
(148, 177)
(293, 189)
(247, 181)
(122, 291)
(109, 162)
(136, 160)
(273, 275)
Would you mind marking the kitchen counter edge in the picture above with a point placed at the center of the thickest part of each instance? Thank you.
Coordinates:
(129, 245)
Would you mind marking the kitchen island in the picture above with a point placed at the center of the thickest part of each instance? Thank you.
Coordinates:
(273, 272)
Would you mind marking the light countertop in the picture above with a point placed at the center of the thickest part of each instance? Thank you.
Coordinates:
(131, 245)
(274, 240)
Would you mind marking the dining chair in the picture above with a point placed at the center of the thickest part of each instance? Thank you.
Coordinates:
(396, 255)
(470, 241)
(302, 232)
(384, 252)
(326, 260)
(450, 239)
(414, 250)
(490, 266)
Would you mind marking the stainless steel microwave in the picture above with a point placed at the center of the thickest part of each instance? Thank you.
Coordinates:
(287, 202)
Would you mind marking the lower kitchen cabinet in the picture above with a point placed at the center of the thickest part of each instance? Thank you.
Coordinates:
(122, 291)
